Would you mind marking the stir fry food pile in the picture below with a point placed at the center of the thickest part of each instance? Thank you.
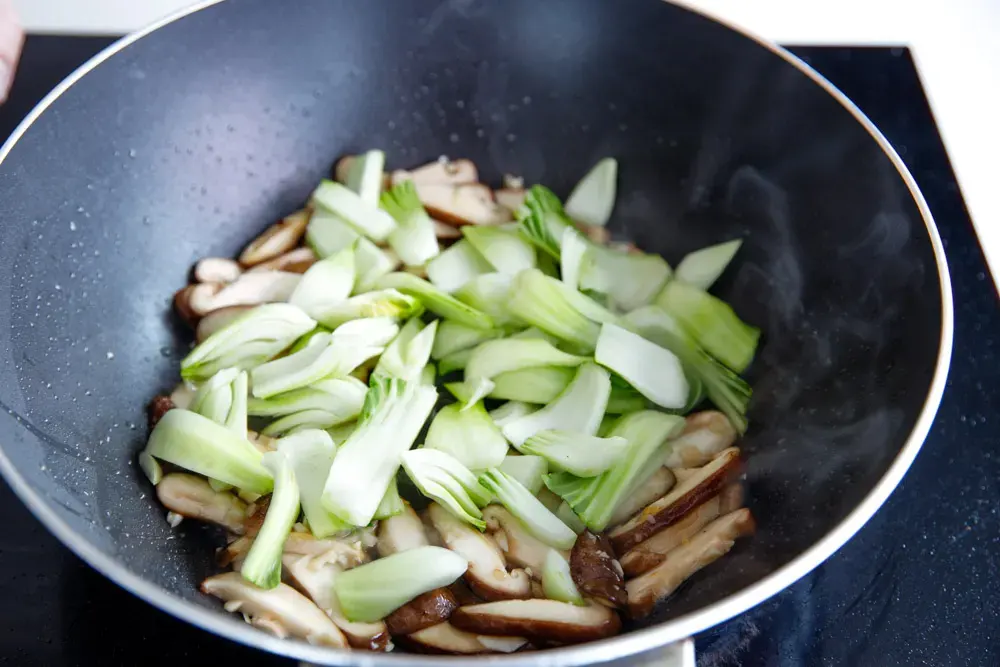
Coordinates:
(458, 420)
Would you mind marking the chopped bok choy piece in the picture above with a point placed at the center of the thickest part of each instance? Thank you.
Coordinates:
(654, 371)
(569, 517)
(456, 266)
(339, 398)
(489, 293)
(371, 263)
(702, 268)
(370, 592)
(510, 411)
(391, 503)
(469, 435)
(408, 354)
(543, 220)
(394, 413)
(551, 306)
(579, 408)
(364, 217)
(520, 502)
(528, 470)
(572, 256)
(594, 499)
(223, 399)
(712, 323)
(365, 176)
(454, 362)
(327, 233)
(494, 357)
(310, 454)
(380, 303)
(576, 453)
(435, 300)
(326, 355)
(327, 283)
(628, 279)
(247, 341)
(454, 337)
(471, 391)
(557, 582)
(541, 384)
(413, 239)
(198, 444)
(506, 250)
(441, 477)
(593, 198)
(262, 566)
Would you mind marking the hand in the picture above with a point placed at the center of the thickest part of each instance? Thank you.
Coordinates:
(11, 38)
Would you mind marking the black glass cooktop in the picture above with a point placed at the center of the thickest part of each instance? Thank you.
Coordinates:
(917, 586)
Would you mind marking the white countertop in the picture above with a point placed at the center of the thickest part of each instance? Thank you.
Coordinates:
(953, 43)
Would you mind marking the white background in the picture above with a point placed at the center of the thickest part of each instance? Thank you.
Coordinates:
(953, 42)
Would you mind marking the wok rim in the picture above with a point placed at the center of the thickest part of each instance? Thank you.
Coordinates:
(621, 646)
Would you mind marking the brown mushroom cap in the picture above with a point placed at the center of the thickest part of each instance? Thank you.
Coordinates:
(193, 497)
(446, 639)
(651, 552)
(596, 572)
(470, 204)
(537, 619)
(688, 494)
(439, 172)
(423, 611)
(705, 434)
(510, 198)
(277, 239)
(293, 261)
(658, 485)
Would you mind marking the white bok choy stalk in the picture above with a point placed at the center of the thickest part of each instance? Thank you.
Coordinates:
(223, 399)
(392, 503)
(557, 581)
(628, 279)
(593, 198)
(394, 413)
(576, 453)
(331, 401)
(528, 470)
(365, 176)
(413, 239)
(198, 444)
(326, 284)
(262, 566)
(490, 293)
(436, 300)
(541, 385)
(326, 355)
(579, 409)
(702, 268)
(408, 354)
(379, 303)
(494, 357)
(506, 250)
(441, 477)
(310, 454)
(454, 337)
(247, 341)
(365, 217)
(520, 502)
(510, 411)
(469, 435)
(654, 371)
(372, 591)
(594, 498)
(471, 391)
(456, 266)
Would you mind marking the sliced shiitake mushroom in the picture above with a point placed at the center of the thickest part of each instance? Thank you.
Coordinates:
(255, 515)
(401, 532)
(487, 575)
(445, 232)
(193, 301)
(277, 239)
(217, 270)
(714, 541)
(217, 319)
(158, 407)
(282, 610)
(423, 611)
(684, 497)
(518, 545)
(658, 484)
(316, 579)
(537, 619)
(191, 496)
(345, 552)
(263, 443)
(510, 198)
(596, 233)
(470, 204)
(705, 434)
(439, 172)
(651, 552)
(446, 639)
(595, 570)
(251, 289)
(293, 261)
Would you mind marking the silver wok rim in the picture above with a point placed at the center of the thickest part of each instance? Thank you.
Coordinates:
(609, 649)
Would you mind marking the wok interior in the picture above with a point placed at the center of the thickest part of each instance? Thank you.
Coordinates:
(191, 140)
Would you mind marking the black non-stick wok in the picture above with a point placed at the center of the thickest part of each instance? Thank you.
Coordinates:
(189, 139)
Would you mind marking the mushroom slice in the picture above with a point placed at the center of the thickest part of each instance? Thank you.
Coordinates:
(714, 541)
(651, 552)
(191, 496)
(282, 610)
(596, 572)
(216, 320)
(263, 443)
(423, 611)
(401, 532)
(705, 434)
(445, 232)
(193, 301)
(659, 483)
(731, 498)
(277, 239)
(293, 261)
(688, 494)
(234, 553)
(316, 579)
(158, 407)
(439, 172)
(519, 546)
(217, 270)
(470, 204)
(446, 639)
(487, 575)
(252, 289)
(596, 233)
(344, 552)
(510, 198)
(545, 620)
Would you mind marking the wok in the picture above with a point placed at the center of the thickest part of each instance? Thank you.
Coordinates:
(187, 139)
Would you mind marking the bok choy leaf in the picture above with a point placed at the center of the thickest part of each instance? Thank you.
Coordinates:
(520, 502)
(262, 566)
(442, 478)
(469, 435)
